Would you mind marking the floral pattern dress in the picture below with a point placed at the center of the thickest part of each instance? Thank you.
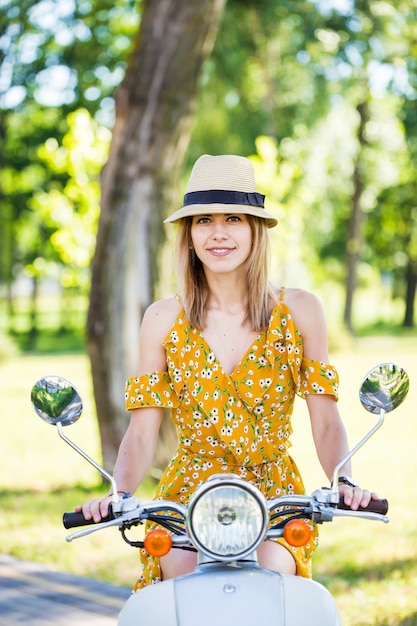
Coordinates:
(239, 422)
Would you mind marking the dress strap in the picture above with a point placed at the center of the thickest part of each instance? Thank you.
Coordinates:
(281, 295)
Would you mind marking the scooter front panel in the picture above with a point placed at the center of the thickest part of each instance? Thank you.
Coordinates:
(308, 602)
(151, 606)
(222, 595)
(218, 594)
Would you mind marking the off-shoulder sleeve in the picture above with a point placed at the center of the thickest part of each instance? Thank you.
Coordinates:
(147, 390)
(316, 377)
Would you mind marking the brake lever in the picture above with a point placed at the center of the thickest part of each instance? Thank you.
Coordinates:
(377, 517)
(118, 521)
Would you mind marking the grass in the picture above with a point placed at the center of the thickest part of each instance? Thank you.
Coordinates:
(370, 568)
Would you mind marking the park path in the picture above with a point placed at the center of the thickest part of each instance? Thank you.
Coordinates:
(33, 595)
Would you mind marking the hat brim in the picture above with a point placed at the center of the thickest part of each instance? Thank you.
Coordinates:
(206, 209)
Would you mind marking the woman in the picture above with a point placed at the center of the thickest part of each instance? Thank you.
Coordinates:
(227, 357)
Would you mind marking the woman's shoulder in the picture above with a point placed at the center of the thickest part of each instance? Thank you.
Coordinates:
(295, 298)
(160, 316)
(157, 322)
(305, 307)
(166, 306)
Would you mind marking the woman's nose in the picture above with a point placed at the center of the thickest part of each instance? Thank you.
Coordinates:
(219, 230)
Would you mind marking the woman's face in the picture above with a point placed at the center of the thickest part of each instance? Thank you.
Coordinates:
(221, 241)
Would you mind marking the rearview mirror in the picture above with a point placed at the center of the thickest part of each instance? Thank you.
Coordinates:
(55, 400)
(384, 388)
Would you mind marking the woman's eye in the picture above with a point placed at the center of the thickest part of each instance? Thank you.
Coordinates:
(234, 218)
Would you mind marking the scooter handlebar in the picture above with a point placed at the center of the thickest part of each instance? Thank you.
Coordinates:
(74, 520)
(374, 506)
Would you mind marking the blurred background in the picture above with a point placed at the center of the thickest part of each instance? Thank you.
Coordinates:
(104, 107)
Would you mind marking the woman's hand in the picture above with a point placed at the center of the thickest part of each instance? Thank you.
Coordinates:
(95, 509)
(354, 497)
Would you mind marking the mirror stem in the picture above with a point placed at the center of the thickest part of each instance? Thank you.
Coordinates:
(102, 471)
(335, 482)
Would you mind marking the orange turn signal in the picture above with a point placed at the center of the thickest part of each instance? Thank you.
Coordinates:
(297, 532)
(158, 542)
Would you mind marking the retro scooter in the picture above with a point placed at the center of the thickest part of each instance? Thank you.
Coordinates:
(225, 522)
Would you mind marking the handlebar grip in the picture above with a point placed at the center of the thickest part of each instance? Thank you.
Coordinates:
(74, 520)
(374, 506)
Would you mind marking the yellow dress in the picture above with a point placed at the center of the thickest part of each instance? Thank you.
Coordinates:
(238, 423)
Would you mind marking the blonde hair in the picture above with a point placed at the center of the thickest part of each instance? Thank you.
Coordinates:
(194, 286)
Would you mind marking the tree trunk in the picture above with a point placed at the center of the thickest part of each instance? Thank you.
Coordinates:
(154, 109)
(33, 311)
(355, 235)
(411, 286)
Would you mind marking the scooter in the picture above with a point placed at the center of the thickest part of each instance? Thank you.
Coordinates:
(225, 522)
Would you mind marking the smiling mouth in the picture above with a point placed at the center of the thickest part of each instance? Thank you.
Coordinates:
(220, 251)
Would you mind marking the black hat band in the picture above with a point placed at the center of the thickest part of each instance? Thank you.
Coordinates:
(222, 196)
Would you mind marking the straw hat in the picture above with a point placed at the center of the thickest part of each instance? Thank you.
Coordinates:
(222, 184)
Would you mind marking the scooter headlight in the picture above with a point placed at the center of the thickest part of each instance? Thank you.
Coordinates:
(227, 518)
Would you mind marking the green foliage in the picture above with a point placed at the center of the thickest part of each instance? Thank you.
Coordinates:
(59, 65)
(65, 54)
(71, 212)
(297, 72)
(294, 72)
(283, 82)
(258, 80)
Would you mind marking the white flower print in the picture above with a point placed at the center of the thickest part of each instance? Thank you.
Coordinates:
(266, 401)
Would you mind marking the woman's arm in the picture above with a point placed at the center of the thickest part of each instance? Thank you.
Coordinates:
(329, 433)
(137, 447)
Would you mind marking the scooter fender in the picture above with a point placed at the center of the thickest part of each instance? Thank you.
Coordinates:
(245, 594)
